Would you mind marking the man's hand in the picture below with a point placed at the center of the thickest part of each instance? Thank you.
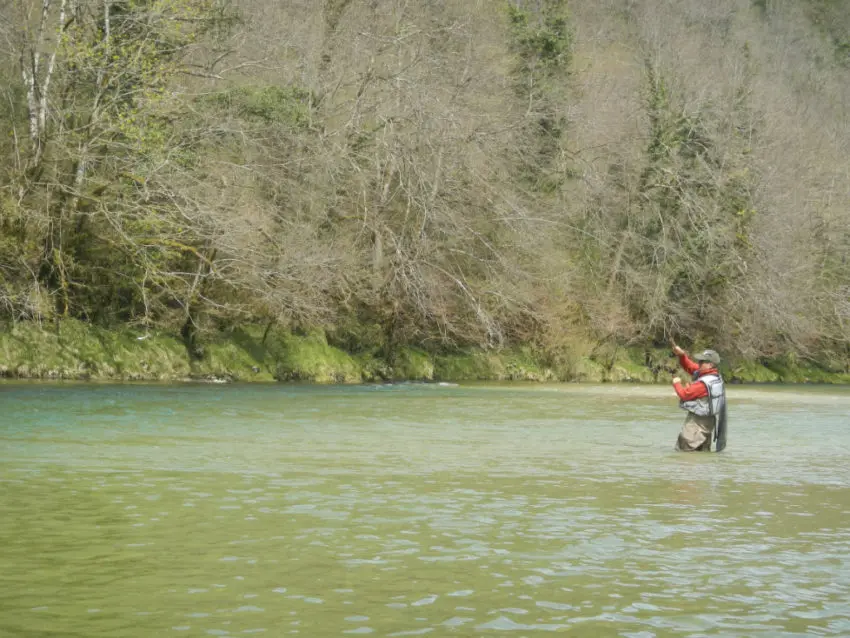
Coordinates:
(676, 380)
(676, 349)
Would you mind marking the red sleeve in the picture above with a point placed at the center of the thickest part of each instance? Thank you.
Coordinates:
(696, 390)
(689, 366)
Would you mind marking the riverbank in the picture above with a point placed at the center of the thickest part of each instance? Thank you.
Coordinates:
(75, 350)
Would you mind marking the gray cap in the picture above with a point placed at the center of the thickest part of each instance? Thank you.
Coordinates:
(709, 355)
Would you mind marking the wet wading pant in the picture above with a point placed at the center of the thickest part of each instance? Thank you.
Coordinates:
(696, 433)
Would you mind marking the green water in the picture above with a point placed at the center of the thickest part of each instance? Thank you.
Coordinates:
(413, 510)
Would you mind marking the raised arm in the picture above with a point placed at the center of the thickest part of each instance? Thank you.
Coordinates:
(687, 365)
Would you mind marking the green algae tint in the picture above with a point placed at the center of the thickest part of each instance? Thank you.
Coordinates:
(419, 510)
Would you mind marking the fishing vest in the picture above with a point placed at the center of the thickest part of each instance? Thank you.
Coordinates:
(711, 405)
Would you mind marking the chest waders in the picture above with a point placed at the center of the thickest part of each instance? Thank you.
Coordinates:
(712, 405)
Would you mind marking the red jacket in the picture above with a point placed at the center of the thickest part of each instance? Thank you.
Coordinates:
(694, 390)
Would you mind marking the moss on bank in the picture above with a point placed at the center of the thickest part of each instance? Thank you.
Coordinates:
(76, 350)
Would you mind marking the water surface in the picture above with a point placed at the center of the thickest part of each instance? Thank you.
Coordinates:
(150, 510)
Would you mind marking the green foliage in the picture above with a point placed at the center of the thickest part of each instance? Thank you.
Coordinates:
(506, 365)
(412, 364)
(789, 368)
(226, 357)
(360, 333)
(77, 350)
(289, 106)
(541, 39)
(614, 363)
(542, 42)
(108, 137)
(310, 358)
(465, 367)
(832, 17)
(695, 196)
(626, 369)
(73, 349)
(751, 372)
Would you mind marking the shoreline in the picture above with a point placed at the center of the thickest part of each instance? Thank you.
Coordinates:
(76, 351)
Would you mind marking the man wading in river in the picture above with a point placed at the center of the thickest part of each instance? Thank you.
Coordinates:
(704, 400)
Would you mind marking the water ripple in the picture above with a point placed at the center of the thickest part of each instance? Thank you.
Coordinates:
(418, 511)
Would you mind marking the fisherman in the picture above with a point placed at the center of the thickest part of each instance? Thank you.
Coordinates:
(704, 400)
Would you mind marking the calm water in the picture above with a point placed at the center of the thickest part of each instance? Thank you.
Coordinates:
(420, 509)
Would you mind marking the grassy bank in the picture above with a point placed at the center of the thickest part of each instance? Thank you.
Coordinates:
(79, 351)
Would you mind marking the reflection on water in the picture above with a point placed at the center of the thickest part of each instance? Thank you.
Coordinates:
(413, 510)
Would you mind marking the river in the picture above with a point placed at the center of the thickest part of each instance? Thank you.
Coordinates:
(404, 510)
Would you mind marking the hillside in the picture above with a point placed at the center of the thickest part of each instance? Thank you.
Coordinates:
(585, 175)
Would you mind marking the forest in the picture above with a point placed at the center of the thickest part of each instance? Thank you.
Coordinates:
(571, 178)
